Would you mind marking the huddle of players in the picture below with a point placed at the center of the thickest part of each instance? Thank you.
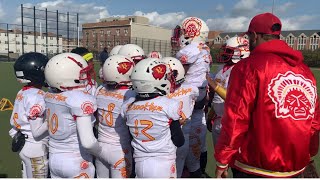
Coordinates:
(150, 111)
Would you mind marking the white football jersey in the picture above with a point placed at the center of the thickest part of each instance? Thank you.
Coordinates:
(112, 127)
(29, 104)
(149, 125)
(222, 78)
(62, 110)
(197, 55)
(186, 95)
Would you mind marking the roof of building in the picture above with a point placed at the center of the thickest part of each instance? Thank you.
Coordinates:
(213, 34)
(106, 24)
(18, 31)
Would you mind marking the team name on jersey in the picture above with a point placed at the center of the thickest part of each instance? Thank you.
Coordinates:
(57, 97)
(19, 97)
(145, 107)
(116, 95)
(180, 92)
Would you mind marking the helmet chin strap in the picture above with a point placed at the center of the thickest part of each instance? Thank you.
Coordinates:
(162, 92)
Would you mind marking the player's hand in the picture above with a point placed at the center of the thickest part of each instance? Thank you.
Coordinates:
(221, 173)
(182, 121)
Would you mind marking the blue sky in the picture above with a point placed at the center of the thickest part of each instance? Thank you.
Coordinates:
(225, 15)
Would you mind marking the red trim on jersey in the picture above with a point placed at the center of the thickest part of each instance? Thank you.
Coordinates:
(74, 117)
(26, 87)
(123, 87)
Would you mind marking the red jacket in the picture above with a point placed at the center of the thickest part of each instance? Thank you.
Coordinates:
(271, 113)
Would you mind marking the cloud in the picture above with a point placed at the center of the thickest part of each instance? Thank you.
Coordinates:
(244, 8)
(2, 12)
(284, 7)
(297, 22)
(229, 23)
(219, 8)
(88, 12)
(168, 20)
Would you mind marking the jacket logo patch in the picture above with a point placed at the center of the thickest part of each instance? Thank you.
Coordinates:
(124, 67)
(159, 71)
(87, 107)
(294, 96)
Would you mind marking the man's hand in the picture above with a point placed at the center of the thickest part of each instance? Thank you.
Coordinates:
(221, 173)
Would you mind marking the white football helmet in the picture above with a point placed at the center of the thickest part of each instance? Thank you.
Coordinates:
(235, 49)
(115, 50)
(176, 68)
(132, 50)
(152, 76)
(117, 70)
(194, 30)
(155, 54)
(68, 71)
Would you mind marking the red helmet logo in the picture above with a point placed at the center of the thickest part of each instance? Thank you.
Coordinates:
(124, 67)
(35, 111)
(159, 71)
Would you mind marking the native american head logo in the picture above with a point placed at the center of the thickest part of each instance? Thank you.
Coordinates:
(294, 96)
(192, 27)
(87, 107)
(159, 71)
(184, 59)
(35, 111)
(124, 67)
(244, 44)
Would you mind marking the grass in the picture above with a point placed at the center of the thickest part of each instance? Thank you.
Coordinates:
(10, 162)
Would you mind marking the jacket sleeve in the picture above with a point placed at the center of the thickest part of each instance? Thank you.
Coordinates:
(315, 127)
(240, 100)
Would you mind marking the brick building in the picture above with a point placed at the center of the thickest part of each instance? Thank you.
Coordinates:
(113, 31)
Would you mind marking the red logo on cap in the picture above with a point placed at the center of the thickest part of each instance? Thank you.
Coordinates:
(159, 71)
(124, 67)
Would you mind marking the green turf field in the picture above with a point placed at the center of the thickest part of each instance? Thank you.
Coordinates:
(9, 161)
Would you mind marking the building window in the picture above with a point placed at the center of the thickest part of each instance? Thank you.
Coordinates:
(42, 51)
(109, 43)
(6, 42)
(108, 32)
(314, 42)
(18, 50)
(26, 37)
(301, 42)
(118, 32)
(93, 34)
(51, 38)
(125, 42)
(5, 34)
(125, 31)
(101, 33)
(290, 41)
(17, 35)
(217, 40)
(117, 42)
(17, 42)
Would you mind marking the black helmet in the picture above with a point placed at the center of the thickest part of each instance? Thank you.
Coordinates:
(29, 68)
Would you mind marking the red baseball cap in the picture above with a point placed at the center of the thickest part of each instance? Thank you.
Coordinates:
(266, 24)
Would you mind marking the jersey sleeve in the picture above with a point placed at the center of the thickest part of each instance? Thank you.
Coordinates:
(174, 109)
(35, 105)
(188, 54)
(81, 103)
(195, 92)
